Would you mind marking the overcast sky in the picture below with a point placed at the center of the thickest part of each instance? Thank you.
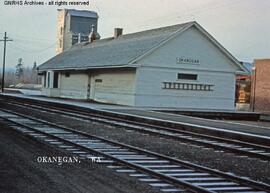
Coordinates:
(241, 26)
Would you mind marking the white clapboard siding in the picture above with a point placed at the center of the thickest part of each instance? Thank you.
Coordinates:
(74, 86)
(161, 66)
(117, 86)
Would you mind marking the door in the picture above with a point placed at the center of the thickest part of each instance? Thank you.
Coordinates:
(89, 86)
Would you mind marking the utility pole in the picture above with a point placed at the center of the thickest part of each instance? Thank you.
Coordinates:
(5, 40)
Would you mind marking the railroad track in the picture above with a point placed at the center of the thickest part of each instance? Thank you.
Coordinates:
(168, 174)
(228, 145)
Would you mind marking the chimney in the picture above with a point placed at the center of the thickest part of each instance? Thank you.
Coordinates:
(92, 35)
(79, 38)
(118, 32)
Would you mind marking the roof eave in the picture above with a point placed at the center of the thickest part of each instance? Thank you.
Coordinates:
(224, 50)
(242, 73)
(89, 68)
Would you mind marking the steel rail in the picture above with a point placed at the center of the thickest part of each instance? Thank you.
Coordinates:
(199, 139)
(260, 140)
(250, 183)
(169, 179)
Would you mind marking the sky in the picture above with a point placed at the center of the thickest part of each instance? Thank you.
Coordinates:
(241, 26)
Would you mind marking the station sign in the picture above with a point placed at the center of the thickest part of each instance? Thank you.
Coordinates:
(185, 60)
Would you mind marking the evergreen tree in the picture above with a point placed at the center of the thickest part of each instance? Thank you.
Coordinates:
(34, 76)
(19, 69)
(34, 66)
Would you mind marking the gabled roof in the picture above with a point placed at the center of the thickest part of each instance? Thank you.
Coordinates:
(123, 51)
(111, 52)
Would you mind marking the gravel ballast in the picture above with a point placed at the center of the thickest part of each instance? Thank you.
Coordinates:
(227, 162)
(20, 172)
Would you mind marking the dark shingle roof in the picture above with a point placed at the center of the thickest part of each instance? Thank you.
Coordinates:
(111, 52)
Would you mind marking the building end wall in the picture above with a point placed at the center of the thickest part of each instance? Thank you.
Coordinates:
(152, 92)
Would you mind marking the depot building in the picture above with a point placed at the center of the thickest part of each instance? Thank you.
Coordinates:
(180, 66)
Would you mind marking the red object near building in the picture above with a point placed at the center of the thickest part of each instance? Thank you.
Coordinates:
(243, 77)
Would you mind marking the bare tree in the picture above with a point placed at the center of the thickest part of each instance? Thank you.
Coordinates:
(24, 75)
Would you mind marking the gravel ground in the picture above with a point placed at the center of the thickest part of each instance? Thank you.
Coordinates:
(227, 162)
(20, 171)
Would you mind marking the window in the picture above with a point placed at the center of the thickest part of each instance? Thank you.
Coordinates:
(181, 86)
(45, 79)
(187, 76)
(55, 80)
(67, 74)
(187, 86)
(61, 30)
(165, 85)
(49, 75)
(98, 80)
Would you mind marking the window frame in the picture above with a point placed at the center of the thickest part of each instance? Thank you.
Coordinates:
(55, 79)
(67, 74)
(187, 76)
(48, 79)
(98, 80)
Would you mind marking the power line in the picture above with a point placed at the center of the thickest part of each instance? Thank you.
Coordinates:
(32, 40)
(31, 37)
(29, 51)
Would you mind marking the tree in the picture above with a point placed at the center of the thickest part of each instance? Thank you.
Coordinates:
(19, 69)
(34, 75)
(25, 74)
(34, 66)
